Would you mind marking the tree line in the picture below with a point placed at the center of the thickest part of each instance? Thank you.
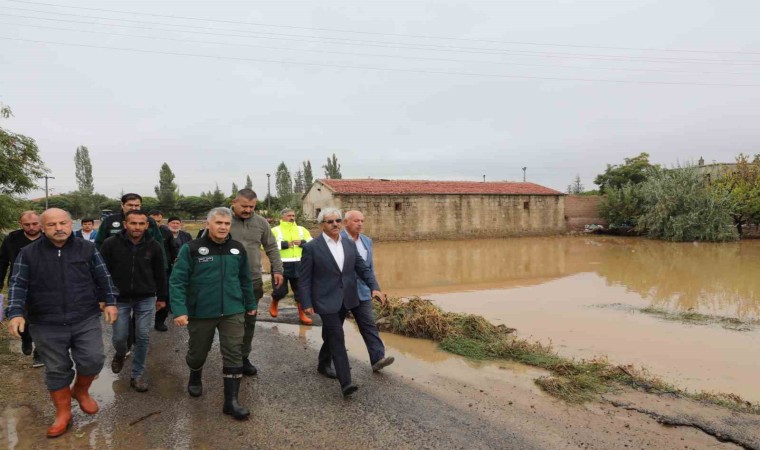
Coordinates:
(21, 167)
(689, 202)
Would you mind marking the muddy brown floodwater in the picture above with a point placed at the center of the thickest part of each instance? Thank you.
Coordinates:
(584, 295)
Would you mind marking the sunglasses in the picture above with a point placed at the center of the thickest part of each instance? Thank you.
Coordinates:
(331, 221)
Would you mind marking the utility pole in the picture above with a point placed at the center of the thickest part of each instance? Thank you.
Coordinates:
(269, 193)
(47, 177)
(484, 178)
(524, 169)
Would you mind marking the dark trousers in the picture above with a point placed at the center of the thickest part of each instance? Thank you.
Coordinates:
(250, 321)
(202, 331)
(334, 345)
(84, 341)
(365, 320)
(163, 313)
(281, 291)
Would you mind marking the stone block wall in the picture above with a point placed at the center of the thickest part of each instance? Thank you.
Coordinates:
(411, 217)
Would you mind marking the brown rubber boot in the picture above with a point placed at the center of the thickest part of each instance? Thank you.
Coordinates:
(273, 308)
(306, 320)
(62, 401)
(81, 393)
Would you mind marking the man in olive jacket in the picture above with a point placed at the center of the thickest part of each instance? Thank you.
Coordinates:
(211, 288)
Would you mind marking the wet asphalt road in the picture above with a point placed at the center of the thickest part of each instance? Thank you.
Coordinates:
(291, 406)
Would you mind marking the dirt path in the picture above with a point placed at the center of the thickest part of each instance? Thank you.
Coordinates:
(425, 400)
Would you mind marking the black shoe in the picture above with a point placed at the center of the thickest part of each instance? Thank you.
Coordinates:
(327, 371)
(26, 344)
(160, 326)
(195, 384)
(350, 389)
(248, 368)
(386, 361)
(117, 363)
(140, 384)
(231, 405)
(37, 361)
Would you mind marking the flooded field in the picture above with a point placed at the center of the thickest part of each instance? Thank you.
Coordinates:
(589, 296)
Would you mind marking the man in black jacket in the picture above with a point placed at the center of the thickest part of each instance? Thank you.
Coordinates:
(12, 245)
(136, 263)
(56, 283)
(171, 255)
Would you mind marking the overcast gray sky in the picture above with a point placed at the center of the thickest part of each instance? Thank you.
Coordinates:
(515, 83)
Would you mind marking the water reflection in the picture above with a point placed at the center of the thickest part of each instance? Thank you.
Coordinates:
(711, 278)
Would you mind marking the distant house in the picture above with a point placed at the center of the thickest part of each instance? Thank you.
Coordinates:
(420, 209)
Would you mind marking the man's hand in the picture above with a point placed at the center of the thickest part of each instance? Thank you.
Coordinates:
(278, 280)
(251, 312)
(160, 304)
(379, 296)
(296, 243)
(309, 311)
(16, 326)
(102, 306)
(110, 313)
(181, 321)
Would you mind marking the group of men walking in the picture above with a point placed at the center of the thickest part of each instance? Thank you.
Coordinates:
(136, 271)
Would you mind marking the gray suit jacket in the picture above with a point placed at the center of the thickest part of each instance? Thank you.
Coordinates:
(326, 287)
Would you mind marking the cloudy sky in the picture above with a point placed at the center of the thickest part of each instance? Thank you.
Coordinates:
(409, 89)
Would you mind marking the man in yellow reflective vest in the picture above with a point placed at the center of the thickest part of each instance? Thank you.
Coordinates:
(290, 237)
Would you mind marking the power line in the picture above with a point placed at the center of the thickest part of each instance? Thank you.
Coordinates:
(345, 41)
(381, 69)
(414, 58)
(364, 32)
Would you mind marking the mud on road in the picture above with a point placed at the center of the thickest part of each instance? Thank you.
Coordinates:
(427, 399)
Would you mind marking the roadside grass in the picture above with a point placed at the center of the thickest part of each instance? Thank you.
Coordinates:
(571, 380)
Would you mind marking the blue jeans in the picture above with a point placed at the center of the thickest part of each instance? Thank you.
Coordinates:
(58, 344)
(143, 309)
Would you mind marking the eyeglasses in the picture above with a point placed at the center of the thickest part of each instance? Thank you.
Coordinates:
(331, 221)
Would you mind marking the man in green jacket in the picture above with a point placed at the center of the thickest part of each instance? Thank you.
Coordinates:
(211, 289)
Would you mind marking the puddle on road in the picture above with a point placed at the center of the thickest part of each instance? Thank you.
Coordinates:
(422, 360)
(547, 287)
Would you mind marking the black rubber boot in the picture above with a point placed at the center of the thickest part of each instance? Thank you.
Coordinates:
(195, 384)
(231, 405)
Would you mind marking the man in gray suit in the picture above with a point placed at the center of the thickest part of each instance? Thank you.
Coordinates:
(327, 280)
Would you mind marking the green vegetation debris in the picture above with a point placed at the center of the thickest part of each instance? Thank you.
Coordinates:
(574, 381)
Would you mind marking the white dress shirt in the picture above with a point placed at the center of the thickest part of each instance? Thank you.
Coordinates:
(336, 248)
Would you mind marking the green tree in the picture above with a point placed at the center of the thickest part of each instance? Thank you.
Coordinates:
(283, 183)
(308, 178)
(621, 207)
(20, 162)
(217, 197)
(634, 170)
(679, 205)
(166, 191)
(83, 170)
(248, 182)
(196, 207)
(20, 167)
(742, 183)
(577, 187)
(234, 189)
(298, 184)
(332, 168)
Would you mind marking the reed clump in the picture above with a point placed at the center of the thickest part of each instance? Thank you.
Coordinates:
(572, 380)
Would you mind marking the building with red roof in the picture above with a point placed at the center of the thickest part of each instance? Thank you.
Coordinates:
(424, 209)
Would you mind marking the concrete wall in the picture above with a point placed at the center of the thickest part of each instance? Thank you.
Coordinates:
(582, 210)
(397, 217)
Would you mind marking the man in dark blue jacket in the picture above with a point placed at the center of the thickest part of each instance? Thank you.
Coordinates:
(136, 263)
(327, 280)
(57, 281)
